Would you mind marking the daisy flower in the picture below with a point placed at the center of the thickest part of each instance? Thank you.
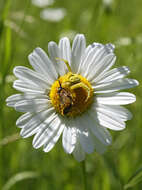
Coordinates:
(73, 93)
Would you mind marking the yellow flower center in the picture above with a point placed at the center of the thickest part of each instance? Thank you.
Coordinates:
(71, 94)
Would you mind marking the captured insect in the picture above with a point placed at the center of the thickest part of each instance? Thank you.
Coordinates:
(66, 99)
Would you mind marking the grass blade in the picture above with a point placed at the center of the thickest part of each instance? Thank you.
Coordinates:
(135, 179)
(19, 177)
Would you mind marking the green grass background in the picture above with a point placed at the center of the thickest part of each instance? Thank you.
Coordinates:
(57, 170)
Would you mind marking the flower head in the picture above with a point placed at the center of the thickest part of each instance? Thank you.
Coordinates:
(73, 92)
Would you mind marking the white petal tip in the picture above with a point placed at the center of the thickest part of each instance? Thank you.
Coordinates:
(8, 99)
(9, 104)
(133, 82)
(80, 36)
(108, 141)
(15, 70)
(46, 150)
(119, 128)
(37, 49)
(22, 134)
(30, 56)
(110, 46)
(68, 151)
(36, 146)
(136, 82)
(52, 44)
(64, 38)
(133, 98)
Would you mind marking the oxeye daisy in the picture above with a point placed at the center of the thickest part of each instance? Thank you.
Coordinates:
(73, 92)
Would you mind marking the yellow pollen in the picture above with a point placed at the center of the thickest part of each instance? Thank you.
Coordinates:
(71, 94)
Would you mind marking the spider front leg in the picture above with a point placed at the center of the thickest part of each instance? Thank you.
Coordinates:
(82, 85)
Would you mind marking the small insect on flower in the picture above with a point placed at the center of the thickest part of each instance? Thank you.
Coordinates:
(66, 99)
(73, 92)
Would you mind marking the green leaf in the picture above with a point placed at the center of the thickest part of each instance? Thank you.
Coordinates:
(19, 177)
(135, 179)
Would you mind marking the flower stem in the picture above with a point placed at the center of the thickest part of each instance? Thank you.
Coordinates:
(84, 175)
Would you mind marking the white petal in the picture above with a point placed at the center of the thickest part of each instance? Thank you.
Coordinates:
(33, 125)
(28, 75)
(84, 135)
(115, 110)
(94, 53)
(23, 119)
(99, 146)
(97, 55)
(38, 65)
(116, 98)
(42, 67)
(87, 60)
(84, 63)
(108, 120)
(53, 50)
(54, 53)
(78, 152)
(86, 141)
(25, 133)
(101, 66)
(100, 132)
(78, 50)
(69, 139)
(113, 74)
(87, 50)
(108, 47)
(46, 133)
(12, 100)
(52, 141)
(65, 49)
(28, 87)
(47, 64)
(113, 86)
(65, 52)
(33, 105)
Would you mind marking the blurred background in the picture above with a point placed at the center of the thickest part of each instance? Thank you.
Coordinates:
(24, 25)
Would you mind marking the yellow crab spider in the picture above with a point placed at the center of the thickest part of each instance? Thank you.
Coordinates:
(73, 81)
